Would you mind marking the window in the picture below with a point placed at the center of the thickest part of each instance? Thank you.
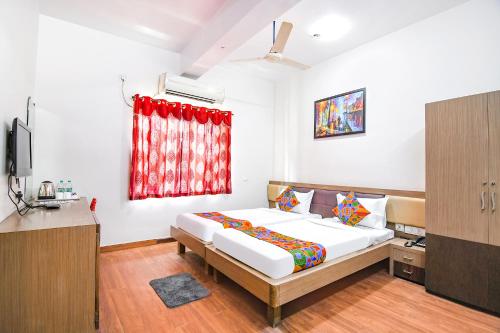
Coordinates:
(179, 150)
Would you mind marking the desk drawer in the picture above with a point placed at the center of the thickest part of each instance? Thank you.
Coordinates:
(410, 258)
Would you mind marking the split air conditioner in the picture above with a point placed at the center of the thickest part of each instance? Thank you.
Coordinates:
(188, 88)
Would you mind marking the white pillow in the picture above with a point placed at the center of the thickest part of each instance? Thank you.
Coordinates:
(377, 218)
(304, 205)
(305, 200)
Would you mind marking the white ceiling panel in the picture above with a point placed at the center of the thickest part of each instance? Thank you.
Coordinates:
(367, 20)
(169, 24)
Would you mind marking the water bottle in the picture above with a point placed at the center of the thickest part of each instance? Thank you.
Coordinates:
(69, 190)
(61, 189)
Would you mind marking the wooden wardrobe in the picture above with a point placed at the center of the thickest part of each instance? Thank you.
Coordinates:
(462, 199)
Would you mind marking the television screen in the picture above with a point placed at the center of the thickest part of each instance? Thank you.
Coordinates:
(21, 149)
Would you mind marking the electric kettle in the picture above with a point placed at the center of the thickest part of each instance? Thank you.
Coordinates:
(47, 191)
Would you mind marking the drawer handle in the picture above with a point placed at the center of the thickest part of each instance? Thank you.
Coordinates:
(407, 272)
(407, 258)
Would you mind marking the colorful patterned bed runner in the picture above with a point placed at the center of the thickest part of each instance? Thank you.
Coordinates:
(227, 222)
(305, 254)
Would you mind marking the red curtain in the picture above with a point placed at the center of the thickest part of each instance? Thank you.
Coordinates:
(179, 150)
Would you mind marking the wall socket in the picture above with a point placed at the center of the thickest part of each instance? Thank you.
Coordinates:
(414, 231)
(400, 227)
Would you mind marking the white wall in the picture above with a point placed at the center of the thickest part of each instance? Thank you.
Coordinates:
(18, 43)
(286, 140)
(84, 129)
(452, 54)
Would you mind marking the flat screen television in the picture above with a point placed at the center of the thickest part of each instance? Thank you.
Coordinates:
(21, 152)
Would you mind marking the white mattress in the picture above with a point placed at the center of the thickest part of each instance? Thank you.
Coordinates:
(205, 228)
(338, 240)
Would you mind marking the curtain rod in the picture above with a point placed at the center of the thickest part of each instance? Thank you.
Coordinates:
(212, 110)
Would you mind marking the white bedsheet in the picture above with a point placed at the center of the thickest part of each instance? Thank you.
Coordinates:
(205, 228)
(338, 240)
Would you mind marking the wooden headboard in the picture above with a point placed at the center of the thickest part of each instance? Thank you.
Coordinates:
(404, 207)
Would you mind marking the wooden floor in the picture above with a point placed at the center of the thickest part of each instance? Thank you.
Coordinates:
(369, 301)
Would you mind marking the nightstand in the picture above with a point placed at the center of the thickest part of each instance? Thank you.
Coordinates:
(407, 262)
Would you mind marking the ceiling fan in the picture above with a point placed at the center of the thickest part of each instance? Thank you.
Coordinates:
(275, 55)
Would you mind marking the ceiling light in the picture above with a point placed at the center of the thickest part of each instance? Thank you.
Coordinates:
(152, 32)
(329, 28)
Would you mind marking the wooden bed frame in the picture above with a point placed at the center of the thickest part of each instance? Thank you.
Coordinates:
(405, 207)
(276, 292)
(185, 239)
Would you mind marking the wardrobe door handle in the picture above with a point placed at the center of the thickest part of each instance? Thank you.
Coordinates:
(407, 272)
(482, 201)
(493, 201)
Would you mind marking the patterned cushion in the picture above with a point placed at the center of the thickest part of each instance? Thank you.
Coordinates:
(287, 200)
(350, 211)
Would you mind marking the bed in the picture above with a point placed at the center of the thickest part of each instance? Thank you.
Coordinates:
(204, 229)
(196, 232)
(266, 273)
(338, 239)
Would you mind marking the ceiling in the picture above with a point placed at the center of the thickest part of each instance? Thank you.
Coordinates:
(168, 24)
(203, 31)
(369, 20)
(207, 32)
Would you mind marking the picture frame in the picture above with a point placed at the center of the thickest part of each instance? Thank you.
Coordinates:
(340, 115)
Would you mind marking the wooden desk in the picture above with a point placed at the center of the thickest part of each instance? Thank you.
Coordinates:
(48, 270)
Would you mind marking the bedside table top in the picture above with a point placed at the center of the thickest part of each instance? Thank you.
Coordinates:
(399, 243)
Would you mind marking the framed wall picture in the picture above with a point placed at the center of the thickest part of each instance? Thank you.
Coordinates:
(342, 114)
